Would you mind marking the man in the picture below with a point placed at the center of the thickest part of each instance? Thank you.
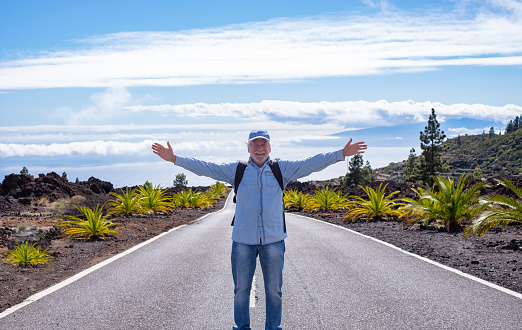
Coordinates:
(259, 228)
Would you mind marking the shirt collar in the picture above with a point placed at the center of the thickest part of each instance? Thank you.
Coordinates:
(250, 161)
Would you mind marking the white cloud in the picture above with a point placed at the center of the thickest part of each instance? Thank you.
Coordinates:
(87, 131)
(513, 6)
(381, 4)
(281, 49)
(292, 125)
(348, 113)
(211, 140)
(104, 106)
(83, 148)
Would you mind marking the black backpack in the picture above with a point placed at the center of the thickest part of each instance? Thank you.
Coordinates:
(240, 170)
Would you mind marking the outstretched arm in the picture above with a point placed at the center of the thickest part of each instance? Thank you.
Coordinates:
(351, 149)
(165, 153)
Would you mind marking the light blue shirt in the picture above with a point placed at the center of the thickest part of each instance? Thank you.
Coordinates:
(259, 200)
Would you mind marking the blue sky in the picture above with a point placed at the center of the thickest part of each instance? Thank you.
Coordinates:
(87, 86)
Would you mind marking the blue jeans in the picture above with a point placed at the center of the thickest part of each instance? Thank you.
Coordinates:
(271, 258)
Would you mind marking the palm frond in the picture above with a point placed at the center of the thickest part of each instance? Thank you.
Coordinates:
(502, 210)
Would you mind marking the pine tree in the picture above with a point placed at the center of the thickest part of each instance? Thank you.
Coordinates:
(180, 181)
(491, 132)
(409, 168)
(413, 172)
(477, 173)
(367, 174)
(514, 125)
(509, 127)
(432, 148)
(353, 176)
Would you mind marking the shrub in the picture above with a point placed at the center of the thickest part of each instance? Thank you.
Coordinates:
(27, 255)
(377, 206)
(77, 200)
(22, 227)
(502, 211)
(325, 199)
(94, 226)
(58, 206)
(192, 199)
(217, 190)
(416, 208)
(293, 198)
(126, 203)
(452, 204)
(43, 201)
(153, 199)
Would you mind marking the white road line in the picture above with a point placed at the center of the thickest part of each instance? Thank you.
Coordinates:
(253, 293)
(456, 271)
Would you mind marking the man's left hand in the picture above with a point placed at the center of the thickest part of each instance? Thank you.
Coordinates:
(351, 149)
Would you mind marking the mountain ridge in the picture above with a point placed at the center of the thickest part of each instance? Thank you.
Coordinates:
(495, 155)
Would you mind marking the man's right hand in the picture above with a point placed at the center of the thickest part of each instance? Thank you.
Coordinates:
(165, 153)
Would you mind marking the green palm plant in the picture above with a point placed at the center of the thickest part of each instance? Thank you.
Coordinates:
(325, 199)
(153, 199)
(377, 206)
(416, 208)
(217, 190)
(294, 198)
(446, 202)
(27, 255)
(503, 210)
(192, 199)
(126, 203)
(94, 226)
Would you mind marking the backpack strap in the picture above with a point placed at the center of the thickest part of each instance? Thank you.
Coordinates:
(240, 170)
(276, 170)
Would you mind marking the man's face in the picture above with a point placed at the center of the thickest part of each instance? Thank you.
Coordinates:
(259, 150)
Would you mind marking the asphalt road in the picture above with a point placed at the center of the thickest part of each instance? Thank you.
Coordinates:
(334, 279)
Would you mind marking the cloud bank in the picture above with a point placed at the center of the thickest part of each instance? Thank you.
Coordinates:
(282, 49)
(354, 114)
(83, 148)
(291, 124)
